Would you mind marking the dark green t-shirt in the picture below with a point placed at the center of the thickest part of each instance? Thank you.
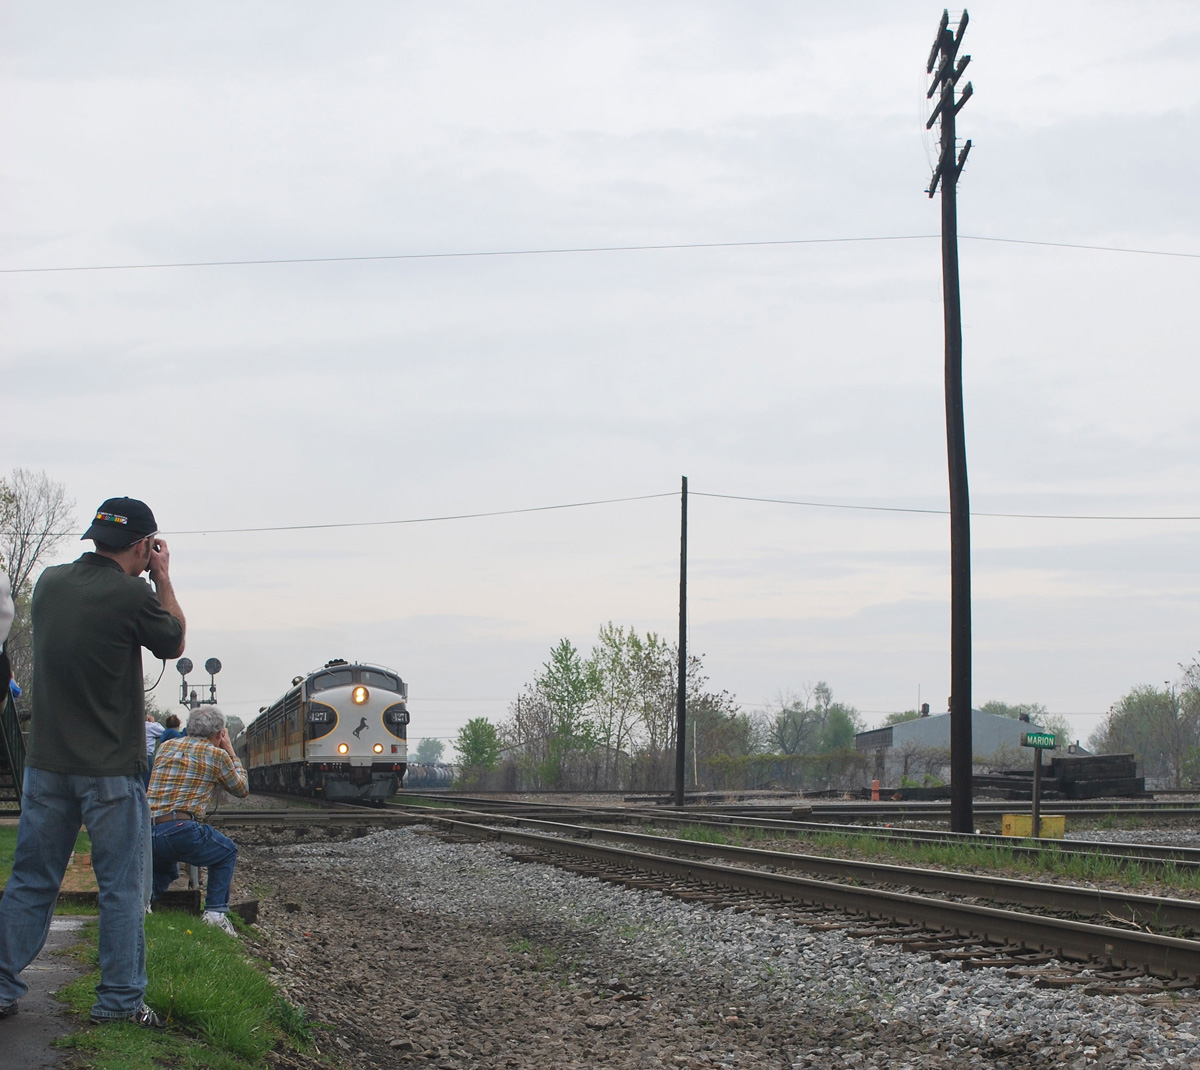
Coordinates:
(90, 622)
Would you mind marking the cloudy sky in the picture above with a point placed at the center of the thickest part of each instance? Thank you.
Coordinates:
(798, 361)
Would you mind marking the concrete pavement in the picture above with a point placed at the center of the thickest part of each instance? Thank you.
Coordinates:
(26, 1037)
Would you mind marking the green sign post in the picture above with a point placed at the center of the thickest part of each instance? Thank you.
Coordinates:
(1039, 741)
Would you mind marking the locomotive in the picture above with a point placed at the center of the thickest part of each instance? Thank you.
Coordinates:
(339, 733)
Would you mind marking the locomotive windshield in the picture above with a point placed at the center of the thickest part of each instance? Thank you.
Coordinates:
(336, 678)
(344, 677)
(386, 680)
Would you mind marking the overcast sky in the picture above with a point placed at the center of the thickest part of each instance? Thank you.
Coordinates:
(366, 391)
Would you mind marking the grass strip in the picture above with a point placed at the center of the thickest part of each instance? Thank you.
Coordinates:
(8, 848)
(1048, 860)
(222, 1011)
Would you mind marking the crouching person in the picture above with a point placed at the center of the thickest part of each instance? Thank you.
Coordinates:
(183, 787)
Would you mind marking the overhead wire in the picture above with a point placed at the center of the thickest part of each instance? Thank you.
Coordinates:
(577, 250)
(800, 503)
(934, 512)
(426, 519)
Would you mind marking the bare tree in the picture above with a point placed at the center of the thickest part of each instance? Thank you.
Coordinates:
(34, 514)
(34, 510)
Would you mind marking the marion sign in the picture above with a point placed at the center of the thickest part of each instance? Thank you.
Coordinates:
(1042, 740)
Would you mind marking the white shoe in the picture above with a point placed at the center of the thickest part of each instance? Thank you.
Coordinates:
(214, 917)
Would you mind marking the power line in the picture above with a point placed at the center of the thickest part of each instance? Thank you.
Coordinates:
(427, 519)
(650, 497)
(931, 512)
(461, 255)
(1073, 245)
(576, 250)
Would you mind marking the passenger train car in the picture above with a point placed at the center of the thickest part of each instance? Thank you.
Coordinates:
(337, 733)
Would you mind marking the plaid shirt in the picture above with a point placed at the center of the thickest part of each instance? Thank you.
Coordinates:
(187, 773)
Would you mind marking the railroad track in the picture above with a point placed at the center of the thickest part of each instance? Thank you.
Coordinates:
(985, 809)
(331, 816)
(1126, 855)
(955, 923)
(953, 926)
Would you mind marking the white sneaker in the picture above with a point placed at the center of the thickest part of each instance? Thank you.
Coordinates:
(214, 917)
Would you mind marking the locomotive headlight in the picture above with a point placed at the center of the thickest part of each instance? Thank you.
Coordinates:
(343, 748)
(378, 748)
(360, 695)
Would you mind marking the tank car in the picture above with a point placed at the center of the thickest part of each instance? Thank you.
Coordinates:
(430, 776)
(339, 733)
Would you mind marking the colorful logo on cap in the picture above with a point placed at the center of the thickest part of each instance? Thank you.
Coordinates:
(112, 518)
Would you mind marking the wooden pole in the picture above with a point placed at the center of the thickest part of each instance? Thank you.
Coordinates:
(949, 166)
(681, 679)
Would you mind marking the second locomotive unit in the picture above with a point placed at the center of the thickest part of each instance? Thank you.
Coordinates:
(338, 733)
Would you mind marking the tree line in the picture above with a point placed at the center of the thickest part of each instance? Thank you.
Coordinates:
(606, 719)
(1160, 726)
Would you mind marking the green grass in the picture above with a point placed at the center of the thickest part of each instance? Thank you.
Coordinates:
(8, 847)
(222, 1011)
(704, 834)
(432, 804)
(1049, 860)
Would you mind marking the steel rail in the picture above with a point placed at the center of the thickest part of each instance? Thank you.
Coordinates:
(930, 813)
(1162, 956)
(1161, 912)
(356, 816)
(1125, 853)
(889, 808)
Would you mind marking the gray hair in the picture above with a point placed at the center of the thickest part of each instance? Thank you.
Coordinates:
(205, 723)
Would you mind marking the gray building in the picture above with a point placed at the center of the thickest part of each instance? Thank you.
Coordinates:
(921, 747)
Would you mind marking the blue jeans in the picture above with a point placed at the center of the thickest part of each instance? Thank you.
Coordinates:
(114, 811)
(195, 844)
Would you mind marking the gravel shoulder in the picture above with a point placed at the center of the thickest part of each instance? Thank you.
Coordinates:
(410, 950)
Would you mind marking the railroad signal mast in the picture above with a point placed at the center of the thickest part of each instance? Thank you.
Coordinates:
(192, 701)
(947, 68)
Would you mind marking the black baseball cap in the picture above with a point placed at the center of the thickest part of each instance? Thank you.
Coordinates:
(121, 522)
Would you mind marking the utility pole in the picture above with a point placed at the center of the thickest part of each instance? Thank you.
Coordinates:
(949, 166)
(681, 681)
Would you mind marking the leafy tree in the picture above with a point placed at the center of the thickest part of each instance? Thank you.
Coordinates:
(478, 745)
(609, 718)
(34, 513)
(1035, 710)
(1059, 725)
(1160, 726)
(429, 751)
(1037, 716)
(838, 731)
(550, 730)
(812, 724)
(632, 674)
(900, 717)
(794, 728)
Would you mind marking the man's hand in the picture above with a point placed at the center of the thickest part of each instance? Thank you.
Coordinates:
(224, 743)
(160, 561)
(160, 574)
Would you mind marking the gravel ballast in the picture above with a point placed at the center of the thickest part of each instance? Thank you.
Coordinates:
(416, 951)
